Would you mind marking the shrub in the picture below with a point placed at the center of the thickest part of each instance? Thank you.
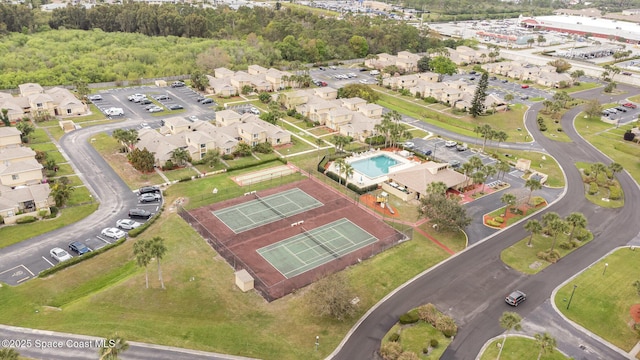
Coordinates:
(425, 350)
(542, 127)
(433, 343)
(26, 220)
(54, 211)
(566, 245)
(430, 100)
(447, 326)
(586, 172)
(615, 193)
(168, 165)
(582, 234)
(593, 188)
(408, 355)
(499, 219)
(140, 229)
(492, 222)
(409, 318)
(43, 213)
(550, 256)
(395, 337)
(390, 350)
(227, 157)
(428, 313)
(1, 219)
(537, 201)
(629, 136)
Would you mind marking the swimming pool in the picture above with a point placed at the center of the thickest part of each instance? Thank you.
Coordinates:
(374, 166)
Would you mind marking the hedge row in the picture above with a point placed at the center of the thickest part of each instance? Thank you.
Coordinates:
(140, 229)
(252, 164)
(77, 259)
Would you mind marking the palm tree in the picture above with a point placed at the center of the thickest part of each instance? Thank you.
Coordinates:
(508, 321)
(509, 200)
(546, 342)
(467, 168)
(615, 168)
(143, 257)
(534, 227)
(555, 227)
(437, 188)
(597, 168)
(476, 162)
(503, 167)
(547, 105)
(501, 136)
(180, 156)
(488, 172)
(575, 219)
(487, 133)
(9, 354)
(113, 347)
(348, 172)
(532, 185)
(340, 164)
(478, 178)
(157, 249)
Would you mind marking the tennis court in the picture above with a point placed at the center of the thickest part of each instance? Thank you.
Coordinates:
(261, 211)
(315, 247)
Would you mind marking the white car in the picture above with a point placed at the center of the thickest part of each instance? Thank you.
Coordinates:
(136, 97)
(95, 97)
(127, 224)
(155, 109)
(113, 233)
(450, 143)
(59, 255)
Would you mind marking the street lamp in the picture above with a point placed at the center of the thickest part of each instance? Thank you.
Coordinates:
(317, 342)
(571, 297)
(605, 268)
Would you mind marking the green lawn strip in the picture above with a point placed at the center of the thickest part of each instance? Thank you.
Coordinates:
(245, 161)
(602, 300)
(298, 146)
(16, 233)
(416, 337)
(74, 180)
(635, 98)
(524, 259)
(417, 133)
(518, 348)
(547, 166)
(553, 125)
(583, 86)
(456, 240)
(319, 131)
(507, 121)
(295, 131)
(39, 136)
(601, 198)
(64, 170)
(80, 195)
(56, 132)
(590, 125)
(201, 308)
(178, 174)
(536, 98)
(51, 150)
(205, 168)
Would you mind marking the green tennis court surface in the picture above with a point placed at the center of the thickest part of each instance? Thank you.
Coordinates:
(315, 247)
(266, 210)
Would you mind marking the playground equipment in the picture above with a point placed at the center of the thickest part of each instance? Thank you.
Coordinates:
(383, 200)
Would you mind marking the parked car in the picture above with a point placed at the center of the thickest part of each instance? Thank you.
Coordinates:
(454, 163)
(135, 97)
(462, 147)
(155, 109)
(149, 197)
(177, 84)
(207, 101)
(139, 213)
(524, 97)
(493, 78)
(515, 298)
(175, 107)
(472, 72)
(95, 97)
(620, 108)
(79, 248)
(59, 255)
(630, 105)
(612, 110)
(161, 97)
(472, 78)
(145, 102)
(450, 143)
(427, 152)
(113, 233)
(254, 111)
(148, 189)
(524, 86)
(127, 224)
(626, 73)
(193, 118)
(504, 81)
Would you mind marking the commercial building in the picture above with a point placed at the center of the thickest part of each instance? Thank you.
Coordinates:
(580, 25)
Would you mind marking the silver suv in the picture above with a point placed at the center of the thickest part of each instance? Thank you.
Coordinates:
(515, 298)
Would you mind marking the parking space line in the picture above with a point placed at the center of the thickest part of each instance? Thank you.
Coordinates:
(23, 279)
(47, 260)
(17, 272)
(103, 239)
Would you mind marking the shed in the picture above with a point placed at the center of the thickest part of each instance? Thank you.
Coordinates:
(244, 280)
(523, 164)
(161, 83)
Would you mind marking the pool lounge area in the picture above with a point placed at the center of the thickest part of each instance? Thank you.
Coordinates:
(374, 166)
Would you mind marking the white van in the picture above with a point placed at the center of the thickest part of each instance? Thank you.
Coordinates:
(114, 111)
(374, 72)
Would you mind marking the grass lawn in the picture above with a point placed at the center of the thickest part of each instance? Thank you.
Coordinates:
(523, 258)
(64, 170)
(456, 241)
(415, 337)
(583, 86)
(418, 133)
(602, 300)
(15, 233)
(201, 308)
(299, 145)
(51, 150)
(518, 348)
(181, 173)
(548, 165)
(609, 140)
(554, 129)
(56, 132)
(39, 136)
(536, 98)
(80, 195)
(635, 98)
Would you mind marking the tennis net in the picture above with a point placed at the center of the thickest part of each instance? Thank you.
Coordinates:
(270, 207)
(320, 243)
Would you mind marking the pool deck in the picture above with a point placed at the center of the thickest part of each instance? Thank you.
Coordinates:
(363, 180)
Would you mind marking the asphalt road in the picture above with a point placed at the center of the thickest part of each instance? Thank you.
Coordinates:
(471, 285)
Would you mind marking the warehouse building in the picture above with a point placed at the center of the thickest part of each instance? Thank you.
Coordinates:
(596, 27)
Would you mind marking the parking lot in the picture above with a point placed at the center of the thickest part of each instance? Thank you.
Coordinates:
(34, 263)
(160, 100)
(337, 76)
(438, 151)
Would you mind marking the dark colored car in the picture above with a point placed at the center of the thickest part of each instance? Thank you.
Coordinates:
(504, 81)
(200, 99)
(515, 298)
(139, 213)
(207, 101)
(145, 102)
(148, 189)
(493, 78)
(175, 107)
(79, 248)
(427, 152)
(620, 108)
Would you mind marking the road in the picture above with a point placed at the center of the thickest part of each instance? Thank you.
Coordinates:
(471, 285)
